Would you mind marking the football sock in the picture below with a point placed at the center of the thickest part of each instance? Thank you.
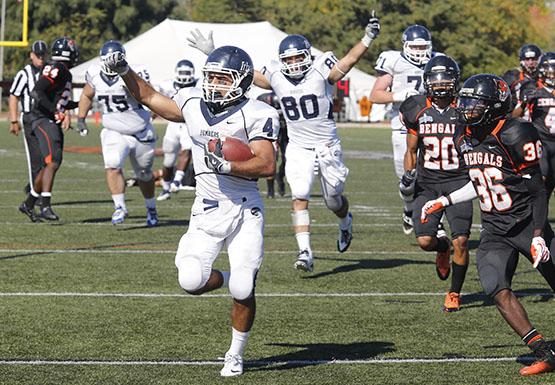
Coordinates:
(533, 339)
(225, 276)
(46, 197)
(178, 177)
(303, 240)
(442, 244)
(119, 200)
(166, 184)
(344, 222)
(238, 341)
(457, 280)
(31, 199)
(150, 203)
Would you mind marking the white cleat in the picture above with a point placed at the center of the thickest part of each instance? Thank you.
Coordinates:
(233, 365)
(441, 231)
(119, 215)
(345, 236)
(304, 261)
(175, 186)
(151, 217)
(407, 223)
(187, 188)
(164, 195)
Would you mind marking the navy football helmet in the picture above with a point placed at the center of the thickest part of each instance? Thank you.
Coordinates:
(441, 77)
(233, 63)
(109, 47)
(417, 44)
(483, 99)
(295, 46)
(547, 69)
(529, 56)
(64, 49)
(184, 73)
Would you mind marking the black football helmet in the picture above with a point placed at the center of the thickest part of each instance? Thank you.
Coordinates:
(417, 44)
(295, 45)
(184, 73)
(529, 56)
(483, 99)
(107, 48)
(441, 77)
(546, 69)
(64, 49)
(232, 61)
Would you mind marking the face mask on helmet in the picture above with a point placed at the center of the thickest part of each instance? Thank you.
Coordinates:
(529, 56)
(547, 70)
(441, 85)
(221, 85)
(295, 63)
(184, 75)
(473, 111)
(418, 51)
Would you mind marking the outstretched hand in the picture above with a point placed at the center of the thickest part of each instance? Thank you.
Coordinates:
(115, 62)
(372, 29)
(203, 44)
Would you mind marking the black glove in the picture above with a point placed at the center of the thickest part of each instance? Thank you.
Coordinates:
(406, 185)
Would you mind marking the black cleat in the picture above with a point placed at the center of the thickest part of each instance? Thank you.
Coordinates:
(29, 212)
(48, 214)
(281, 187)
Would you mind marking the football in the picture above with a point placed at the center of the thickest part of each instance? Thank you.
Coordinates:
(233, 149)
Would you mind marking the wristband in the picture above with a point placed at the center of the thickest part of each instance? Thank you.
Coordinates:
(366, 40)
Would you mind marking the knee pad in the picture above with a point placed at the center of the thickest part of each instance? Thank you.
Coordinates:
(144, 175)
(190, 274)
(299, 193)
(241, 283)
(300, 218)
(169, 159)
(334, 202)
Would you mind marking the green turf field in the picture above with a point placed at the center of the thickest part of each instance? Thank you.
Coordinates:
(84, 302)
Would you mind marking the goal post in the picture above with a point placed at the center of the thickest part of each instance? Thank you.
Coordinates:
(24, 42)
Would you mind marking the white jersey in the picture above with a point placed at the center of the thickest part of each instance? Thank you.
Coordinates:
(120, 111)
(170, 88)
(307, 103)
(247, 121)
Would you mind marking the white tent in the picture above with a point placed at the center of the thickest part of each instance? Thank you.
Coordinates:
(162, 46)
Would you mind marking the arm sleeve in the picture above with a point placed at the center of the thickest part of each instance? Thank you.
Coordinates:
(539, 199)
(464, 194)
(40, 97)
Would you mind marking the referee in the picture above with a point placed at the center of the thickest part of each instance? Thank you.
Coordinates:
(22, 86)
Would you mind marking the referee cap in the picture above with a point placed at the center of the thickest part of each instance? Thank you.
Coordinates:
(39, 47)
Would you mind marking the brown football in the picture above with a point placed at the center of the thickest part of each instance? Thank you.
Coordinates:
(233, 149)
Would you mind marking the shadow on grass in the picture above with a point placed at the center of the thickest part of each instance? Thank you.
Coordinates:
(358, 264)
(318, 354)
(479, 299)
(71, 203)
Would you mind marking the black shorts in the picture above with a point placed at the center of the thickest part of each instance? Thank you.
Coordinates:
(497, 257)
(32, 147)
(51, 140)
(459, 216)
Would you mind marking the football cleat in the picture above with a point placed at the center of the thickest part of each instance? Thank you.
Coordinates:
(443, 263)
(545, 362)
(452, 302)
(187, 187)
(119, 215)
(304, 261)
(164, 195)
(233, 365)
(175, 186)
(441, 230)
(29, 212)
(48, 214)
(281, 187)
(407, 222)
(345, 236)
(131, 182)
(151, 217)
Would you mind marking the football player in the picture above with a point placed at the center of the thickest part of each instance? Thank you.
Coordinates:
(541, 104)
(304, 87)
(176, 143)
(49, 118)
(433, 168)
(126, 132)
(400, 76)
(228, 210)
(525, 76)
(502, 158)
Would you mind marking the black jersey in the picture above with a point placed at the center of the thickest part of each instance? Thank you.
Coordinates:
(516, 79)
(542, 111)
(438, 160)
(52, 90)
(498, 167)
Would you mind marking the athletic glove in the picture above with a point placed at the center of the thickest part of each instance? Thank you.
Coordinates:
(433, 206)
(401, 96)
(82, 125)
(406, 185)
(539, 251)
(215, 160)
(115, 62)
(372, 30)
(59, 117)
(203, 44)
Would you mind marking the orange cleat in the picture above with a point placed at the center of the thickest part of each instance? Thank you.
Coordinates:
(452, 302)
(443, 263)
(537, 367)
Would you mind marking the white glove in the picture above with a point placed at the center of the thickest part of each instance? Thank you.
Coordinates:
(203, 44)
(400, 96)
(215, 160)
(115, 61)
(372, 30)
(433, 206)
(539, 251)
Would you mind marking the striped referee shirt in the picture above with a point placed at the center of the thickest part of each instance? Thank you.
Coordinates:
(23, 84)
